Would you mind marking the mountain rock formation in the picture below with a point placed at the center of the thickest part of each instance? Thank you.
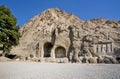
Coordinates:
(56, 36)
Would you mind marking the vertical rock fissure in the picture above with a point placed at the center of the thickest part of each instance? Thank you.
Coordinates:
(71, 50)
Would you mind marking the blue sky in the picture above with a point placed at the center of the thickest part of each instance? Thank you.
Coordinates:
(84, 9)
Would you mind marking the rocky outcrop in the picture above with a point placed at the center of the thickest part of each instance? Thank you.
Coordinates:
(55, 34)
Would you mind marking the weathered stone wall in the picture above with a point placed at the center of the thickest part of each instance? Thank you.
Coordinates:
(55, 31)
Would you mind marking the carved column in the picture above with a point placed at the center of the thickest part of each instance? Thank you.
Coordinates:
(41, 50)
(95, 48)
(104, 48)
(108, 48)
(52, 54)
(99, 48)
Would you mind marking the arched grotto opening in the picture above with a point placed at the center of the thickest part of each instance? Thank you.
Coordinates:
(47, 49)
(60, 52)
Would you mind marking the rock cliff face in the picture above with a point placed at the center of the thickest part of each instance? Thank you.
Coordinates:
(55, 34)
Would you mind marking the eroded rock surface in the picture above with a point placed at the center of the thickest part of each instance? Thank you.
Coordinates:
(57, 34)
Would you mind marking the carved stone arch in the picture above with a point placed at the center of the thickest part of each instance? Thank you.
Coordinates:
(60, 52)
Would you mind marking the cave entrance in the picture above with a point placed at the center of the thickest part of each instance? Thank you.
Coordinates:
(60, 52)
(47, 49)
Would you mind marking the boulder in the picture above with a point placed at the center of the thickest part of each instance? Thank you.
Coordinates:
(2, 58)
(91, 60)
(64, 60)
(114, 61)
(85, 60)
(100, 60)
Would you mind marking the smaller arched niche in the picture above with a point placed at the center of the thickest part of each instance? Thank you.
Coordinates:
(47, 49)
(60, 52)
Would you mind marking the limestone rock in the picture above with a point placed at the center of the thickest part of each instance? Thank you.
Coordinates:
(4, 59)
(100, 60)
(107, 60)
(92, 60)
(56, 34)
